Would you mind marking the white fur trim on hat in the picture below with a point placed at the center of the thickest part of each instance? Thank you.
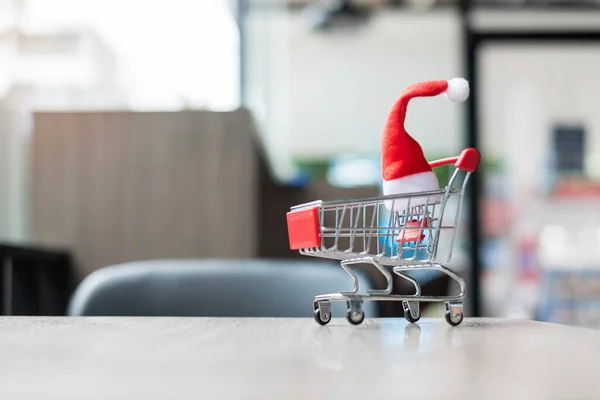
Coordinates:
(421, 182)
(458, 90)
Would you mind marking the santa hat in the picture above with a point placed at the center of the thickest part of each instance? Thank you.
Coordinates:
(404, 167)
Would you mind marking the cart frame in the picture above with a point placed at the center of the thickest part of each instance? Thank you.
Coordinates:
(413, 217)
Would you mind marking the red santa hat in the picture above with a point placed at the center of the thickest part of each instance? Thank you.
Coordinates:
(404, 167)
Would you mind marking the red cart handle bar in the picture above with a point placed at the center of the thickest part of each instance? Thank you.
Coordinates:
(468, 160)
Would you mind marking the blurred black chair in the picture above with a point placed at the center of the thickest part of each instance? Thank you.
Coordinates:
(34, 280)
(214, 288)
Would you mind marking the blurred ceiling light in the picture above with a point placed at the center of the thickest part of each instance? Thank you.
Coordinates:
(336, 14)
(422, 4)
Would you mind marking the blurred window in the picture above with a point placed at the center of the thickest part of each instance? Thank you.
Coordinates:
(136, 54)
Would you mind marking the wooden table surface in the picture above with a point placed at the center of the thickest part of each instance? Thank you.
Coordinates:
(207, 358)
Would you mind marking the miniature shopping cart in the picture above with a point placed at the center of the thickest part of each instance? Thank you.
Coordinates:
(414, 227)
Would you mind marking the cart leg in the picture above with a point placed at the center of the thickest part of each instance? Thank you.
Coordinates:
(412, 280)
(388, 278)
(455, 278)
(345, 265)
(412, 309)
(438, 267)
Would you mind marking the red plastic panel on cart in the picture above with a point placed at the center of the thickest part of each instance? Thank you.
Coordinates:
(303, 228)
(413, 235)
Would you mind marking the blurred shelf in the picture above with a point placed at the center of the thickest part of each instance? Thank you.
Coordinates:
(433, 4)
(520, 5)
(531, 20)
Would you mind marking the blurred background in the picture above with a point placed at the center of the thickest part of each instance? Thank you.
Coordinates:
(183, 130)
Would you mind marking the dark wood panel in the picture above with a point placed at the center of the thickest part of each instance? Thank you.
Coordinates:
(119, 186)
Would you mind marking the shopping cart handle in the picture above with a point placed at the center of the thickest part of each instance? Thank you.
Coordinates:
(467, 161)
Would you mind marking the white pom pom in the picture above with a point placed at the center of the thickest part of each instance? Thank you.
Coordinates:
(458, 90)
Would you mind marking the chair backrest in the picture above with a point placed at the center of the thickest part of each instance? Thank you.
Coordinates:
(214, 287)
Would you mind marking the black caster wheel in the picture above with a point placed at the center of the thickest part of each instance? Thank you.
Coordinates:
(410, 317)
(320, 318)
(355, 317)
(454, 319)
(412, 314)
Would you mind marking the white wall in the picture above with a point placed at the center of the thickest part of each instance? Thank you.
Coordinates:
(342, 86)
(322, 94)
